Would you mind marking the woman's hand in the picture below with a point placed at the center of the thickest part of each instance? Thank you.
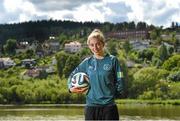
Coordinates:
(78, 90)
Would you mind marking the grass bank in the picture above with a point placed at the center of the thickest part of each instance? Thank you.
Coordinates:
(150, 102)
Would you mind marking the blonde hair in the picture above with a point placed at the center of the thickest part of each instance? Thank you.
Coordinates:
(96, 33)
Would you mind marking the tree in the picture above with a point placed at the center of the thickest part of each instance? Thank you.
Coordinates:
(174, 40)
(173, 25)
(71, 63)
(61, 61)
(84, 52)
(163, 53)
(62, 37)
(132, 25)
(146, 54)
(30, 53)
(156, 35)
(160, 55)
(112, 47)
(10, 46)
(127, 47)
(141, 25)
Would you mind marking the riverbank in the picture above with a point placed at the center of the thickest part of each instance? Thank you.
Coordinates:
(118, 101)
(150, 102)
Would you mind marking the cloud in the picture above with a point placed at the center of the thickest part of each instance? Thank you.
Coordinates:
(165, 16)
(119, 12)
(68, 16)
(6, 16)
(54, 5)
(157, 12)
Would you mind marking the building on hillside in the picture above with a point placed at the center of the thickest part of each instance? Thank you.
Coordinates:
(54, 61)
(1, 64)
(22, 47)
(47, 69)
(178, 46)
(32, 73)
(72, 47)
(1, 49)
(6, 63)
(38, 72)
(140, 45)
(28, 63)
(51, 45)
(169, 37)
(130, 63)
(135, 34)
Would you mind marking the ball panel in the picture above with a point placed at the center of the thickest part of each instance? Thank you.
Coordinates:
(80, 80)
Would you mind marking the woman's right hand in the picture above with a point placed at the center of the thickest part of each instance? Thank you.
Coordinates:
(78, 90)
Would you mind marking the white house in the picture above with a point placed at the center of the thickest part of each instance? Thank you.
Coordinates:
(72, 47)
(140, 45)
(6, 62)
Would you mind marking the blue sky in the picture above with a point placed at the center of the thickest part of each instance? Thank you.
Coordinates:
(156, 12)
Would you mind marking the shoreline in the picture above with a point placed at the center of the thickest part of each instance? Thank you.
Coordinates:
(118, 101)
(148, 102)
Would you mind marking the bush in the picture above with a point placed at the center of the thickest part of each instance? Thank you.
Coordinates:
(147, 95)
(175, 76)
(172, 62)
(146, 79)
(174, 92)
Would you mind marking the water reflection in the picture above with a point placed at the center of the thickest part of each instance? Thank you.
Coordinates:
(151, 111)
(74, 112)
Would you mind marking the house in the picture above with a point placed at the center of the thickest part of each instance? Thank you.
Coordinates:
(139, 45)
(40, 53)
(39, 72)
(130, 64)
(32, 73)
(72, 47)
(134, 34)
(28, 63)
(6, 63)
(47, 69)
(1, 64)
(52, 45)
(178, 46)
(54, 61)
(22, 47)
(1, 49)
(167, 36)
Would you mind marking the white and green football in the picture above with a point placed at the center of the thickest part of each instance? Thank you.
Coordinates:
(80, 80)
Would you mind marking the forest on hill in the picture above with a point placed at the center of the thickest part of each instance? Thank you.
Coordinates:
(41, 30)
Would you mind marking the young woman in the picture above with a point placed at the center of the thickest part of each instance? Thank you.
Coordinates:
(105, 80)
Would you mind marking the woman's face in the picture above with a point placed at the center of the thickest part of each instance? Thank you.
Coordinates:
(96, 46)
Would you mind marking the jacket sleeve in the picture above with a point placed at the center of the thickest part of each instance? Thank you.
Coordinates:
(80, 68)
(119, 81)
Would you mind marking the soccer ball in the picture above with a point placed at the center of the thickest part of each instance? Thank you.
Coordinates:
(80, 80)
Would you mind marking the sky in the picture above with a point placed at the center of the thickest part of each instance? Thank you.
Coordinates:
(156, 12)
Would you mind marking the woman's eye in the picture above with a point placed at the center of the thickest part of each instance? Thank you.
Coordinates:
(91, 45)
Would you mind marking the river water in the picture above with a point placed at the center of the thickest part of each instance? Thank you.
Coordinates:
(128, 112)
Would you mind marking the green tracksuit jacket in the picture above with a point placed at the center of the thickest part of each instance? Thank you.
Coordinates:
(105, 77)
